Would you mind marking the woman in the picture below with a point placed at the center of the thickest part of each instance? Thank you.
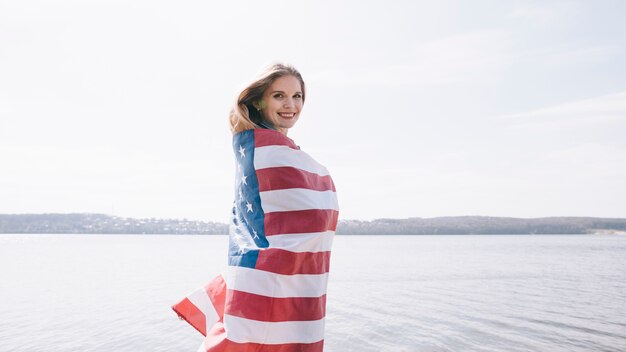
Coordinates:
(273, 297)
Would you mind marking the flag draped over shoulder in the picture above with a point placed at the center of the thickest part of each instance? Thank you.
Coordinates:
(273, 296)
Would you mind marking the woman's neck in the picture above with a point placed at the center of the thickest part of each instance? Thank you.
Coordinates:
(270, 126)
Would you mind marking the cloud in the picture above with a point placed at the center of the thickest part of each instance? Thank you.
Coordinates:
(560, 56)
(546, 13)
(475, 56)
(604, 158)
(441, 61)
(604, 109)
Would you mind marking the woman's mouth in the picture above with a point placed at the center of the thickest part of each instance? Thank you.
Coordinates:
(287, 115)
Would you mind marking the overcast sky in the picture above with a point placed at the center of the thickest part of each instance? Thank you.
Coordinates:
(440, 108)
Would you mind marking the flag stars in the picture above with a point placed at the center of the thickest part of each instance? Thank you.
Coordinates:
(249, 206)
(238, 239)
(242, 151)
(240, 248)
(256, 236)
(243, 179)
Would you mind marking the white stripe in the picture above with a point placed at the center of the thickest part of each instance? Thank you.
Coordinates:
(243, 330)
(293, 199)
(279, 155)
(202, 347)
(303, 242)
(200, 299)
(276, 285)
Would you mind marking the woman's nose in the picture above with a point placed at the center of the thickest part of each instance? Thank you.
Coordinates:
(289, 103)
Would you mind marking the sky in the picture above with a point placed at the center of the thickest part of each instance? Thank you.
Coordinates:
(417, 108)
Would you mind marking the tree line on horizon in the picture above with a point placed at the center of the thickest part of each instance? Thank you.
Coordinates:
(454, 225)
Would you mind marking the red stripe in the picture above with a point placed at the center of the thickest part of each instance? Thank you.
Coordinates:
(272, 309)
(216, 341)
(265, 137)
(300, 221)
(216, 289)
(284, 262)
(286, 347)
(194, 316)
(275, 178)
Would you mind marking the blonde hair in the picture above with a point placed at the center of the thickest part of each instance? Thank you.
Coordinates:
(243, 115)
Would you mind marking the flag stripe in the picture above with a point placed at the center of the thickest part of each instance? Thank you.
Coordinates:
(264, 138)
(202, 348)
(281, 156)
(205, 306)
(194, 316)
(270, 284)
(216, 341)
(286, 347)
(297, 199)
(275, 178)
(243, 330)
(290, 263)
(303, 242)
(201, 300)
(272, 309)
(216, 290)
(301, 221)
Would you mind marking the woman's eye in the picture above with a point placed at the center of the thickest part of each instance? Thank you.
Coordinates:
(298, 96)
(278, 96)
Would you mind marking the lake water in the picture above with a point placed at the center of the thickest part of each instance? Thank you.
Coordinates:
(386, 293)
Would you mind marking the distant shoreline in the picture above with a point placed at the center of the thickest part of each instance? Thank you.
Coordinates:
(86, 223)
(338, 234)
(609, 232)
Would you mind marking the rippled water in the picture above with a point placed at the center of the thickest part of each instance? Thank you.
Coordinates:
(386, 293)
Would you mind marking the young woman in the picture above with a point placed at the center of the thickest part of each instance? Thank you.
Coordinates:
(273, 297)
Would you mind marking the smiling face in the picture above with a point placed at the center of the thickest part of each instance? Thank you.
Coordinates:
(282, 102)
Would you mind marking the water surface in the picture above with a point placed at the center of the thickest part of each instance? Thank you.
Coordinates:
(386, 293)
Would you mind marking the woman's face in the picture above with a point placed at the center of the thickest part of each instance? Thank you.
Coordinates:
(282, 102)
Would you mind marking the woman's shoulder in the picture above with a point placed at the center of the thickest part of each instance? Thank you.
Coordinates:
(263, 137)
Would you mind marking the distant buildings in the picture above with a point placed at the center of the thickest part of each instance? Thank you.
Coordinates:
(103, 224)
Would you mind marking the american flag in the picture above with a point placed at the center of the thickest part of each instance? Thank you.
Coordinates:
(273, 296)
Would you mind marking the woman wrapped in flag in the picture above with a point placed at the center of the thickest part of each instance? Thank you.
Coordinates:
(273, 296)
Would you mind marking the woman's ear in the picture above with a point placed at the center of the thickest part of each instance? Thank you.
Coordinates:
(259, 105)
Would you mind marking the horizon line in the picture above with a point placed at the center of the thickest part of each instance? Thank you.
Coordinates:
(375, 219)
